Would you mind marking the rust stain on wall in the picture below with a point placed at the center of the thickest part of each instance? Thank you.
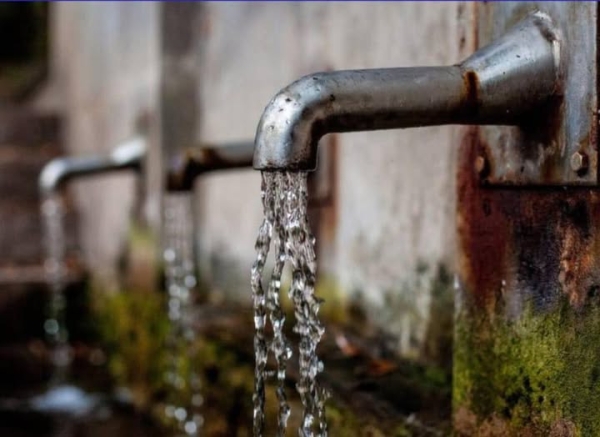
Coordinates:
(329, 203)
(323, 197)
(524, 245)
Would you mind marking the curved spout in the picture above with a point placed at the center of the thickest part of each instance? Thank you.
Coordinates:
(128, 155)
(497, 85)
(204, 158)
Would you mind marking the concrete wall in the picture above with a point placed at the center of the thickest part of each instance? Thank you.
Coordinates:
(105, 75)
(395, 190)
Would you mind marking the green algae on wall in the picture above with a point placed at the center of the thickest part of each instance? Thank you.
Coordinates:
(537, 375)
(439, 336)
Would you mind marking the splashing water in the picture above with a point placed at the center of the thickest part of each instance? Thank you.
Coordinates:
(55, 270)
(185, 383)
(284, 197)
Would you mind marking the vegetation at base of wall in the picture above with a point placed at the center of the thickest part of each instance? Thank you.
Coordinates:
(439, 336)
(539, 373)
(133, 328)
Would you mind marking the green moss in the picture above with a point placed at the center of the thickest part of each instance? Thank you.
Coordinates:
(133, 328)
(534, 372)
(140, 235)
(439, 336)
(344, 423)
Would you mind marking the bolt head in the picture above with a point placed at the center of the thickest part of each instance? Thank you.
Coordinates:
(480, 165)
(579, 162)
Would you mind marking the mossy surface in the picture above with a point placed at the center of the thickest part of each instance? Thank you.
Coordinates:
(374, 392)
(134, 327)
(537, 374)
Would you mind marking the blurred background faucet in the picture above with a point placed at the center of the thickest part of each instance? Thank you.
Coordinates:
(186, 166)
(126, 156)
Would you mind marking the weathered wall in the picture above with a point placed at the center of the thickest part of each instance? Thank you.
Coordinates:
(395, 189)
(393, 223)
(105, 74)
(527, 308)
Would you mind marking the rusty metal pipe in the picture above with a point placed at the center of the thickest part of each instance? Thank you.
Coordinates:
(127, 156)
(499, 84)
(190, 163)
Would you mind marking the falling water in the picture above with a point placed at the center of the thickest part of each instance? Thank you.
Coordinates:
(55, 271)
(180, 281)
(284, 197)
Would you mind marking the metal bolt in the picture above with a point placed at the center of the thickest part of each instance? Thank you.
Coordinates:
(579, 163)
(481, 165)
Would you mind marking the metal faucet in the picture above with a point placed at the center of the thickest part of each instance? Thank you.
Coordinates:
(126, 156)
(190, 163)
(498, 85)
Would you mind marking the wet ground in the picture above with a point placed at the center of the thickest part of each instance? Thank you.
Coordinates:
(373, 392)
(107, 418)
(88, 406)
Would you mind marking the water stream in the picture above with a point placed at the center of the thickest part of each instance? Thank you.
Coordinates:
(53, 212)
(285, 226)
(185, 401)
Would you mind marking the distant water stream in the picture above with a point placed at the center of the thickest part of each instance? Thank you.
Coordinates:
(185, 401)
(53, 212)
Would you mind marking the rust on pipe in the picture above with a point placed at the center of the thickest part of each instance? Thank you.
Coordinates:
(190, 163)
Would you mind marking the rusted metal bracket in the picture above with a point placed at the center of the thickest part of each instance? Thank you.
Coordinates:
(558, 146)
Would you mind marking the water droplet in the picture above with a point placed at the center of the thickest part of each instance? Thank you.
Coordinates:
(197, 400)
(180, 414)
(51, 326)
(190, 427)
(190, 281)
(169, 255)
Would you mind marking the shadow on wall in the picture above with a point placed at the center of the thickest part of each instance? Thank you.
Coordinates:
(401, 319)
